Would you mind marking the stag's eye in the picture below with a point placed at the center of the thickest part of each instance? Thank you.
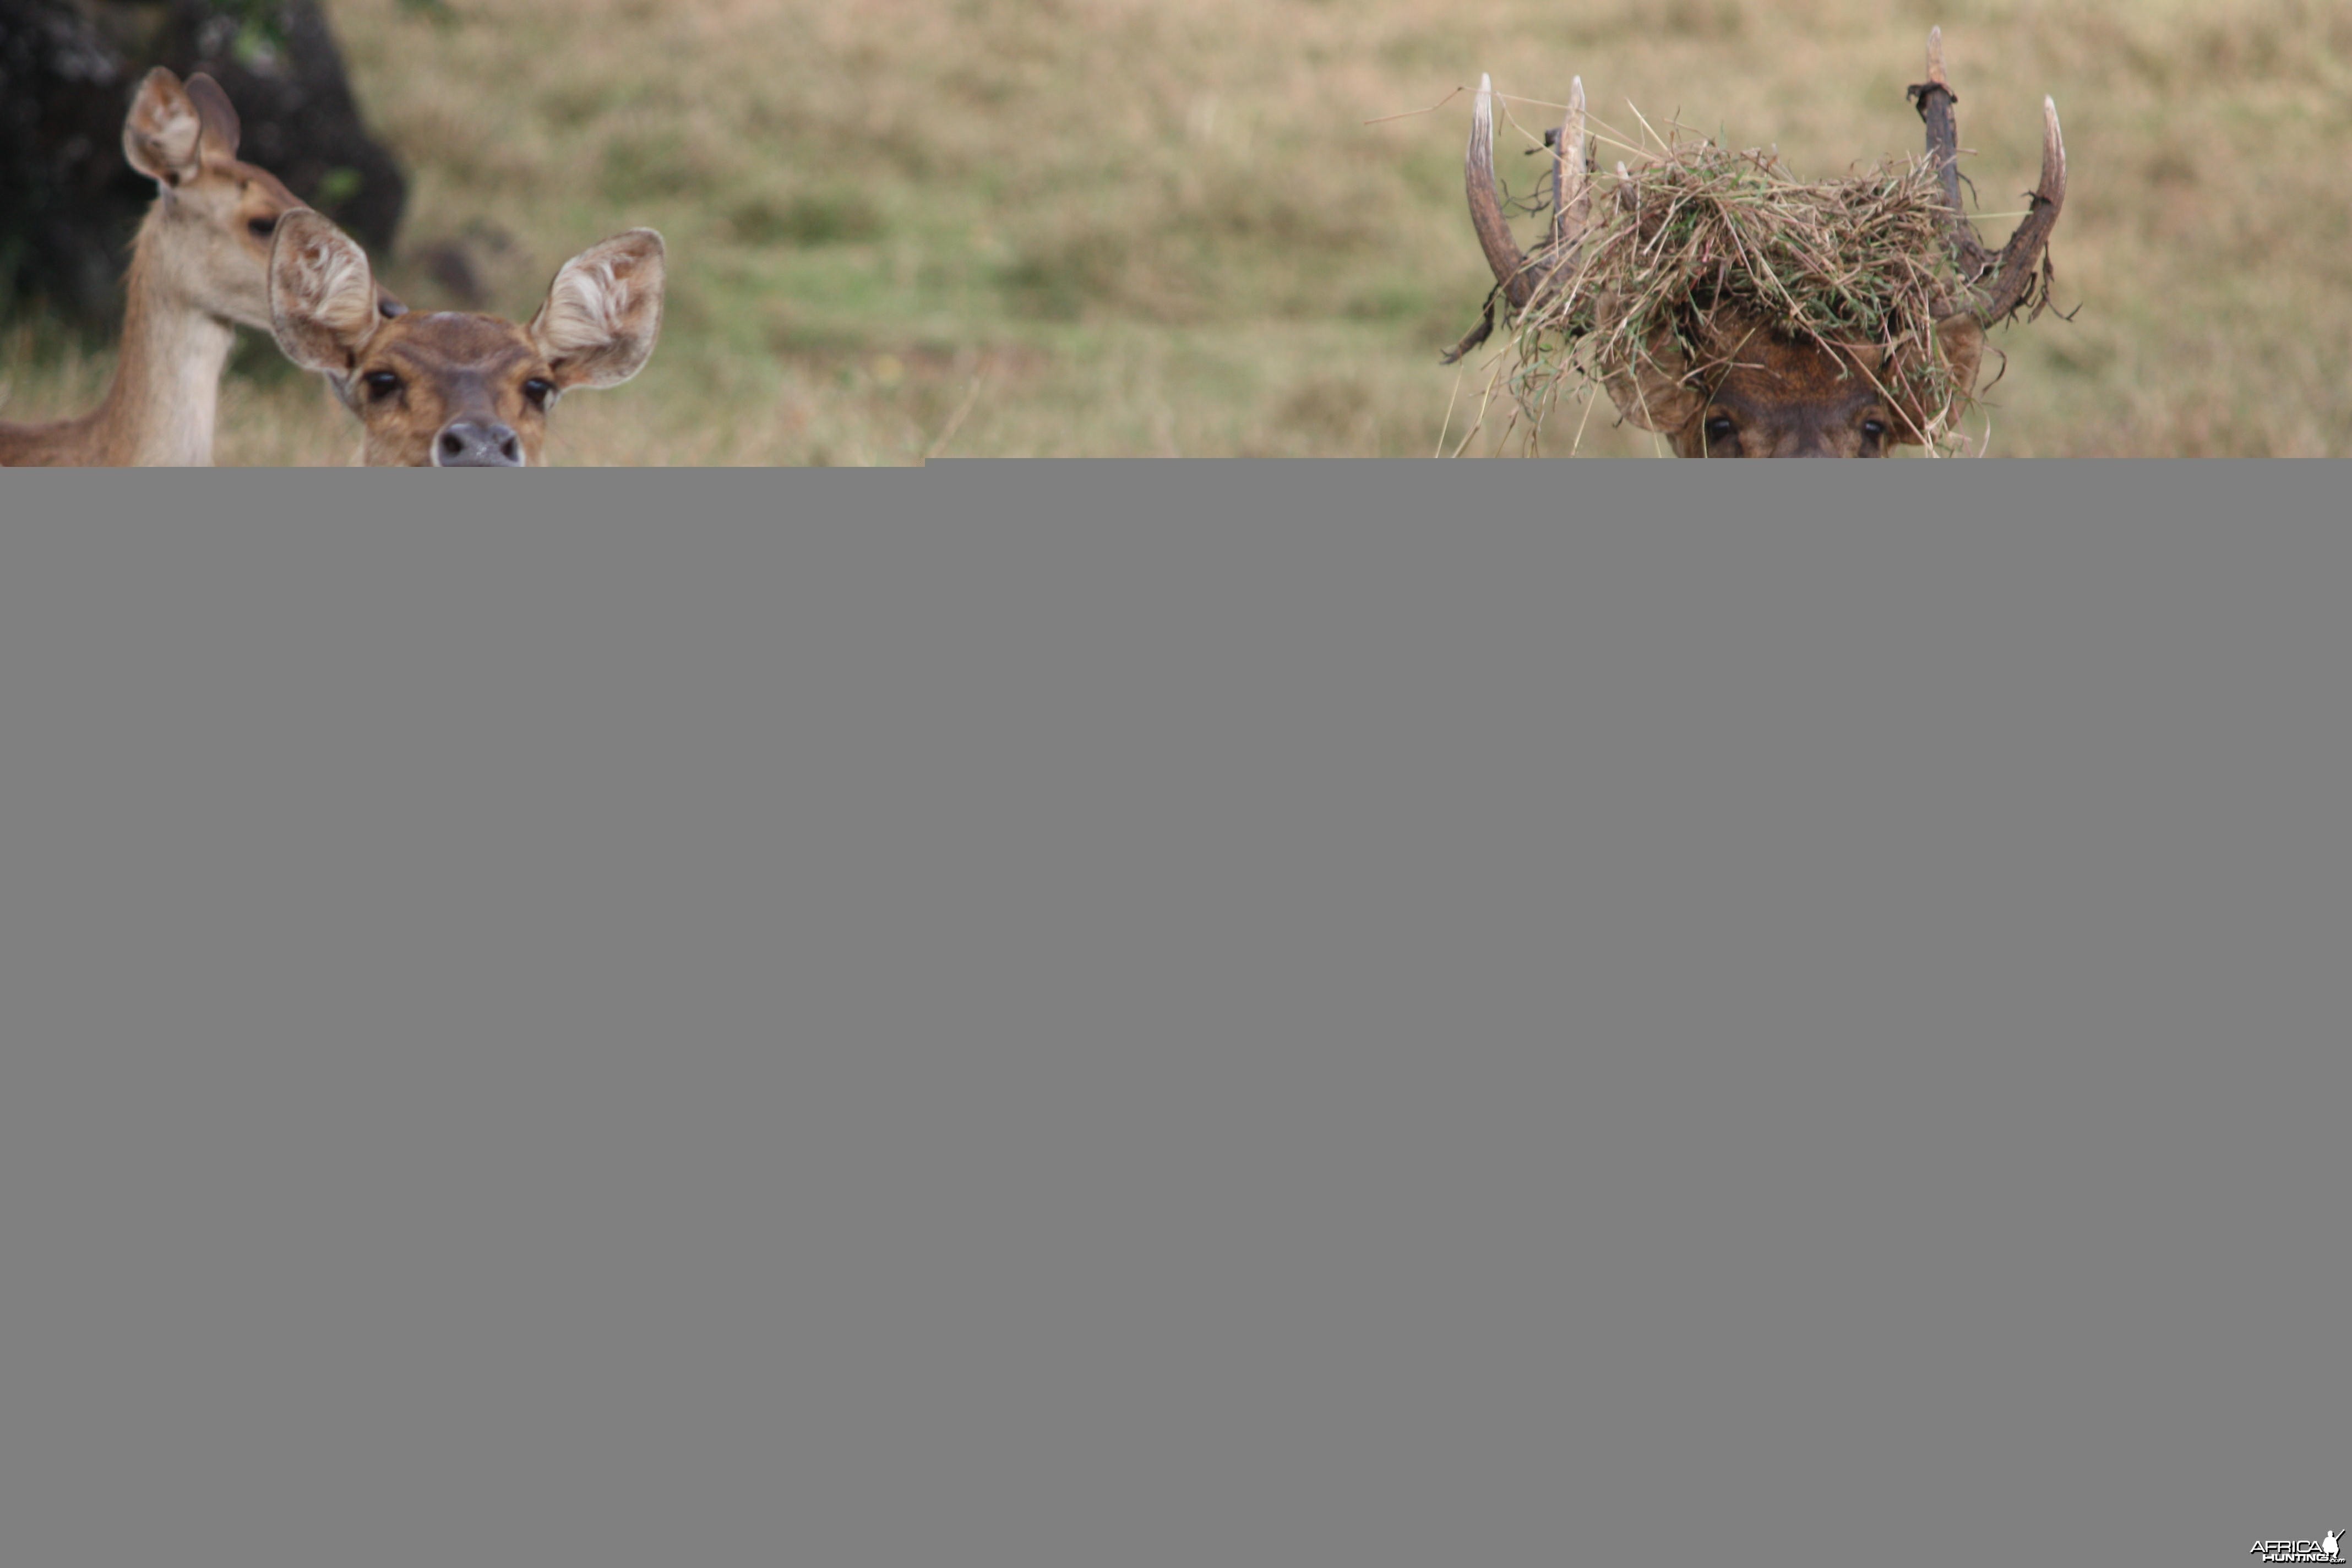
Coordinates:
(381, 383)
(1874, 428)
(1719, 428)
(262, 227)
(539, 389)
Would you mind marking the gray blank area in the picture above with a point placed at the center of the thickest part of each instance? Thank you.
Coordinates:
(1129, 1015)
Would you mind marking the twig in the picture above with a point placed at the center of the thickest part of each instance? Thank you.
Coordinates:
(1409, 114)
(955, 420)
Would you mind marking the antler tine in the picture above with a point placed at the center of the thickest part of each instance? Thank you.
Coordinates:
(1503, 254)
(1934, 98)
(1943, 139)
(1571, 204)
(2025, 254)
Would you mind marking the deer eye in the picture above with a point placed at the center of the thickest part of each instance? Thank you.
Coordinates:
(381, 383)
(539, 389)
(262, 227)
(1719, 428)
(1874, 428)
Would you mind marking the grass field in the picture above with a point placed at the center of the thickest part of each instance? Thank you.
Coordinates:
(1235, 227)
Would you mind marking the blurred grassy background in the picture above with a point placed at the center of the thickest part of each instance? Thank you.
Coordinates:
(1108, 228)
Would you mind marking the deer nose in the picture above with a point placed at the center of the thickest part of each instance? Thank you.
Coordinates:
(471, 444)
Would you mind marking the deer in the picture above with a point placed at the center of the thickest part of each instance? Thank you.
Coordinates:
(1750, 389)
(452, 389)
(199, 269)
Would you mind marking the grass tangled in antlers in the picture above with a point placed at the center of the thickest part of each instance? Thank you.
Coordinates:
(1701, 229)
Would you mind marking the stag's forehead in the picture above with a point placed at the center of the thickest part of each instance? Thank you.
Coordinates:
(1813, 379)
(456, 340)
(1783, 365)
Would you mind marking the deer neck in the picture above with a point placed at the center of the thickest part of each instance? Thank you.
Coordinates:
(160, 410)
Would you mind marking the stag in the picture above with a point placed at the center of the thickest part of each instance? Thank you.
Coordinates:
(1747, 387)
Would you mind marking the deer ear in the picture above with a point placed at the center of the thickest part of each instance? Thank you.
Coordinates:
(161, 135)
(222, 131)
(1925, 392)
(322, 294)
(604, 312)
(1649, 387)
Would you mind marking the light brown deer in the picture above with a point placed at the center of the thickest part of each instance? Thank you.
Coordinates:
(199, 269)
(1750, 390)
(452, 390)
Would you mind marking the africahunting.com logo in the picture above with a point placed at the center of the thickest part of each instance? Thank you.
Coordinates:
(2328, 1548)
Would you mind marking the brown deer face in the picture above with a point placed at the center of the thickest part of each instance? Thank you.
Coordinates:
(1755, 393)
(1743, 388)
(458, 391)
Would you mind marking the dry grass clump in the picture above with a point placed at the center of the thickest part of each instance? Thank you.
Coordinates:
(1701, 241)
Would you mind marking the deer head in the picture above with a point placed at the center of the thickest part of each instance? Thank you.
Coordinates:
(1739, 386)
(452, 390)
(207, 240)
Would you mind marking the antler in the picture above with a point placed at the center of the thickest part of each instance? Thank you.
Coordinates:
(1503, 254)
(1999, 281)
(1571, 188)
(1519, 277)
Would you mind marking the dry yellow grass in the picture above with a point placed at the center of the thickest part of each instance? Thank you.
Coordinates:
(1110, 228)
